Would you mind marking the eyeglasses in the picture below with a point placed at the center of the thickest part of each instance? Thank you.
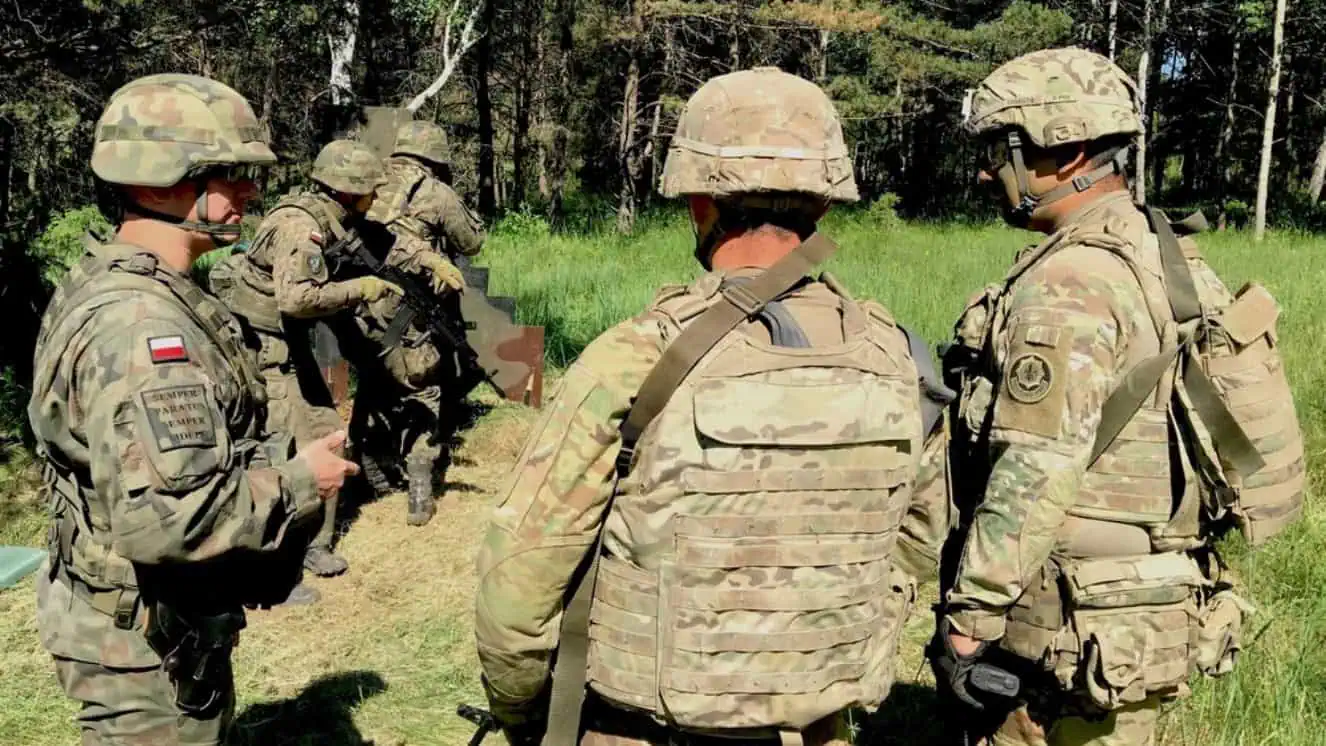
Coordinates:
(235, 173)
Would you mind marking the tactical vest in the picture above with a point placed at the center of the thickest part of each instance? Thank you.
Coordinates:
(244, 281)
(747, 585)
(80, 520)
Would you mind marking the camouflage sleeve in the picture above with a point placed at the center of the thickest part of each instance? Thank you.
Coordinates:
(1061, 352)
(930, 515)
(551, 513)
(299, 269)
(437, 205)
(180, 488)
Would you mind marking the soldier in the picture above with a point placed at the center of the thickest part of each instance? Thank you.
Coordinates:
(1085, 569)
(400, 416)
(170, 507)
(730, 471)
(281, 283)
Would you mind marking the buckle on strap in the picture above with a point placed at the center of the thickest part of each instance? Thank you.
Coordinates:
(126, 603)
(741, 297)
(142, 263)
(625, 457)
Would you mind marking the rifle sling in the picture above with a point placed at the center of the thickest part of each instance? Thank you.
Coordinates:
(740, 302)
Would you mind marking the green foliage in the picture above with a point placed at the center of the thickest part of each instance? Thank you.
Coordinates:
(60, 246)
(13, 409)
(883, 212)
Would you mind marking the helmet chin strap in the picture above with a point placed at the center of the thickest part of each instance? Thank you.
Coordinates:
(221, 234)
(1104, 165)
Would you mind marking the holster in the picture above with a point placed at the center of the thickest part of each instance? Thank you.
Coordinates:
(195, 653)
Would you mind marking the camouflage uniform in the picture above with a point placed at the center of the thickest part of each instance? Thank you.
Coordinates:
(399, 417)
(281, 284)
(575, 486)
(148, 414)
(1039, 355)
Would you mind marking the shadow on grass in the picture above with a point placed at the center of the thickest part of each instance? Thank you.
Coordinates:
(321, 714)
(912, 714)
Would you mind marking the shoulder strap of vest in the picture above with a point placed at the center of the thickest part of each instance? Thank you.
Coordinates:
(740, 302)
(935, 396)
(1232, 442)
(317, 208)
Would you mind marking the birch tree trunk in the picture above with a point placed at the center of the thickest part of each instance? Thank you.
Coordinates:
(1223, 163)
(341, 43)
(559, 103)
(1318, 171)
(628, 164)
(822, 64)
(1143, 75)
(1113, 22)
(1268, 127)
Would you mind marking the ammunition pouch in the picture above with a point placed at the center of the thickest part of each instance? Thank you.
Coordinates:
(195, 653)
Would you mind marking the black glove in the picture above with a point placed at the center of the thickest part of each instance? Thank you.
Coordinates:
(953, 672)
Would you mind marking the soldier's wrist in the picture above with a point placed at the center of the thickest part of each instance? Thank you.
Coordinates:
(299, 487)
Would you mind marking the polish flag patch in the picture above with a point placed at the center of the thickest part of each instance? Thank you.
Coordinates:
(315, 237)
(167, 349)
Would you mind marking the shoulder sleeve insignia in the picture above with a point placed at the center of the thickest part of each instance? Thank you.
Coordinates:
(1030, 378)
(180, 417)
(315, 264)
(169, 349)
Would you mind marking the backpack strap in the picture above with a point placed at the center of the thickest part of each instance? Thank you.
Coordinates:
(1233, 444)
(739, 303)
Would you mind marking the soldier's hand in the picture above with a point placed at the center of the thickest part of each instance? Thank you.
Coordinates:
(373, 288)
(329, 469)
(446, 276)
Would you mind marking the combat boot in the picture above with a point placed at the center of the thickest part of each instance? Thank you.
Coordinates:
(323, 562)
(378, 478)
(302, 595)
(421, 506)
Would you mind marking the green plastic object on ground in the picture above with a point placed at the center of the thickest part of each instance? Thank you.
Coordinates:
(17, 562)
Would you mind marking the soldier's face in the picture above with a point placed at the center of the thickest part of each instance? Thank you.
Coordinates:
(227, 199)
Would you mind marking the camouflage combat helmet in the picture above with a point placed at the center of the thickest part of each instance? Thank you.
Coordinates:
(158, 130)
(1056, 97)
(423, 140)
(348, 167)
(759, 131)
(1053, 97)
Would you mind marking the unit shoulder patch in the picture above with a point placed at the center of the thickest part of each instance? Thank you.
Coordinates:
(179, 417)
(1030, 378)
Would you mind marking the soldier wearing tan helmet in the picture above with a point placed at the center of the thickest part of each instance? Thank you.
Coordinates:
(172, 509)
(399, 417)
(1087, 435)
(742, 472)
(282, 284)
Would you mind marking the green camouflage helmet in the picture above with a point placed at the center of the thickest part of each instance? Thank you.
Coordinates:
(348, 167)
(423, 140)
(156, 130)
(759, 131)
(1057, 97)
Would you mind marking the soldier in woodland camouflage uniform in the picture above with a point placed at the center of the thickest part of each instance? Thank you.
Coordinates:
(171, 510)
(1084, 567)
(281, 284)
(398, 416)
(743, 467)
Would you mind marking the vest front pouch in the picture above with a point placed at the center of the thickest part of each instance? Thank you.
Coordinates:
(779, 603)
(1130, 627)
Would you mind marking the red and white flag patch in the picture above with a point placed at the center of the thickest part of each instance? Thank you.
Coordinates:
(167, 349)
(315, 237)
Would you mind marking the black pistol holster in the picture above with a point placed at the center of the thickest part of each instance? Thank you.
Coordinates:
(195, 653)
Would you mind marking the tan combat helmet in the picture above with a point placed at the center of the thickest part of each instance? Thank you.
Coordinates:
(348, 167)
(1054, 97)
(160, 130)
(423, 140)
(759, 139)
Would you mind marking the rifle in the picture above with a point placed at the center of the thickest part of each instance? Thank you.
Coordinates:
(419, 303)
(483, 719)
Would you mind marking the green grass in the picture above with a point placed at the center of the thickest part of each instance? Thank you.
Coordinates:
(388, 654)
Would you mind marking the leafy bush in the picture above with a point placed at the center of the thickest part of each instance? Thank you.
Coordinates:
(60, 246)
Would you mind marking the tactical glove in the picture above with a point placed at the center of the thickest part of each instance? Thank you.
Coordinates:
(445, 275)
(373, 288)
(952, 670)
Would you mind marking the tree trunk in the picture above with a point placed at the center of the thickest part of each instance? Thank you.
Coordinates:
(1221, 161)
(1143, 76)
(657, 148)
(484, 103)
(1318, 171)
(1268, 127)
(6, 169)
(560, 106)
(822, 62)
(1113, 22)
(341, 43)
(532, 12)
(628, 165)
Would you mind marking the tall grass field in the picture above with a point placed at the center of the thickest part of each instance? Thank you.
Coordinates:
(388, 654)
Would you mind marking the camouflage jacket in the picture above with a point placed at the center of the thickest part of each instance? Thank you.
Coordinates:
(416, 203)
(1057, 344)
(289, 245)
(554, 504)
(153, 422)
